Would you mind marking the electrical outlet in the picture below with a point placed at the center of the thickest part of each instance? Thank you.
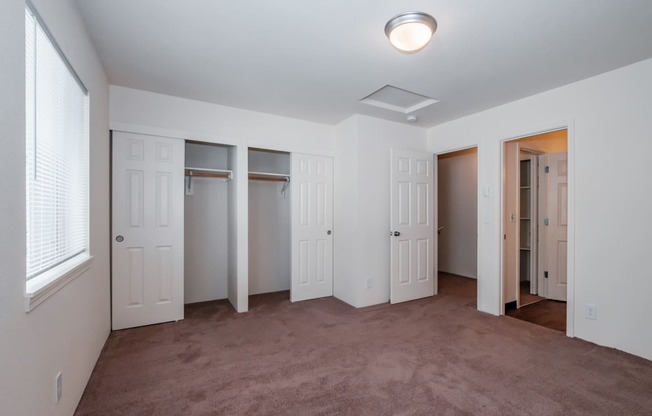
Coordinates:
(58, 386)
(370, 283)
(591, 311)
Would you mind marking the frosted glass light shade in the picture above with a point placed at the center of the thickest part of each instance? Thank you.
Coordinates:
(410, 32)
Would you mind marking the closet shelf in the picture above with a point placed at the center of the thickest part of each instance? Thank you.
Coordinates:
(209, 173)
(264, 176)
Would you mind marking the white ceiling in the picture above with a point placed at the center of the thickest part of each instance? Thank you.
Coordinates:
(315, 60)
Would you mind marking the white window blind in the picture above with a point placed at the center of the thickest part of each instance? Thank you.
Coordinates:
(57, 167)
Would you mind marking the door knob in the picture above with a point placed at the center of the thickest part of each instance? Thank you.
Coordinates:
(328, 232)
(119, 239)
(396, 233)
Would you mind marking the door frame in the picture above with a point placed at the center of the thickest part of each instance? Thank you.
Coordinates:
(435, 215)
(569, 126)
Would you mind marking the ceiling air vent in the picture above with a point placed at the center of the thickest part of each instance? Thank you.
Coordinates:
(397, 99)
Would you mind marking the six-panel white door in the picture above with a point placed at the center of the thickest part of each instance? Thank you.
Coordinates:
(555, 211)
(147, 238)
(312, 227)
(411, 232)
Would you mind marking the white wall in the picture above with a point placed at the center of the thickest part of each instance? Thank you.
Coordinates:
(206, 243)
(457, 200)
(362, 203)
(610, 154)
(269, 225)
(150, 113)
(347, 283)
(67, 331)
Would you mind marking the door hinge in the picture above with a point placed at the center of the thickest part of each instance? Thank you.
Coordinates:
(546, 169)
(545, 274)
(546, 221)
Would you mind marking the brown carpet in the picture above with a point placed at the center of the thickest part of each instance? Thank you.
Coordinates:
(434, 356)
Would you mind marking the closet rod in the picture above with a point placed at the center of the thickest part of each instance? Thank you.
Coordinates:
(273, 177)
(209, 173)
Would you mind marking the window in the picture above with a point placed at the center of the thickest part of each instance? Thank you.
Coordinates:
(57, 141)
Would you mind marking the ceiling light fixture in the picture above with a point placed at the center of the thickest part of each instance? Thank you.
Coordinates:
(411, 31)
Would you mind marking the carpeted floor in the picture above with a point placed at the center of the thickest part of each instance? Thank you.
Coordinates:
(435, 356)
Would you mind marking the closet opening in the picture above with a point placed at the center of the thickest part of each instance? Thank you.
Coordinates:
(269, 224)
(209, 216)
(456, 205)
(535, 217)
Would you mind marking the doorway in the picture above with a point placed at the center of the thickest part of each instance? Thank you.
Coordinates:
(535, 214)
(457, 225)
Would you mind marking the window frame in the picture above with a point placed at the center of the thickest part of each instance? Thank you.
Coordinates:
(47, 282)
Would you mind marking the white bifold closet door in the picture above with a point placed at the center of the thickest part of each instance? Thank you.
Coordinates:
(147, 235)
(312, 227)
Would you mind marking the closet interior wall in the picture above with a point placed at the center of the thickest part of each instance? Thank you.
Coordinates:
(207, 216)
(269, 223)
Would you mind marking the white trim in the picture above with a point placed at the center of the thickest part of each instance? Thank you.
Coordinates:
(170, 133)
(483, 204)
(405, 110)
(570, 265)
(206, 138)
(47, 284)
(436, 228)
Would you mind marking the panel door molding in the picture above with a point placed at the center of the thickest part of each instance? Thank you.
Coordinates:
(411, 225)
(147, 234)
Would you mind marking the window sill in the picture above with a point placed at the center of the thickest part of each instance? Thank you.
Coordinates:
(47, 284)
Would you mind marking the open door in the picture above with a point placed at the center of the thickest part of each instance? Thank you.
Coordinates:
(412, 227)
(147, 221)
(554, 223)
(312, 227)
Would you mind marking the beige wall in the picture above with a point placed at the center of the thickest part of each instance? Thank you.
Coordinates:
(551, 142)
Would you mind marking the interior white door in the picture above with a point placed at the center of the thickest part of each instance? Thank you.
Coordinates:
(147, 215)
(555, 224)
(412, 226)
(312, 227)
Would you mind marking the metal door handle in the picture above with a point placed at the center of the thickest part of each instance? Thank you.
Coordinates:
(328, 232)
(396, 233)
(119, 239)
